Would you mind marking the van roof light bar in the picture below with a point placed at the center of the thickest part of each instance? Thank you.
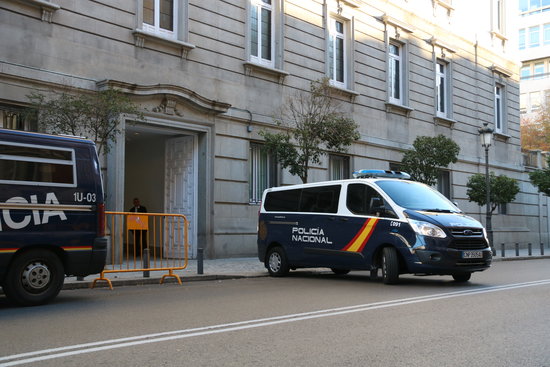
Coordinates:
(375, 173)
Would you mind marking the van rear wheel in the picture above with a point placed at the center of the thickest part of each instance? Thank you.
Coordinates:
(390, 266)
(34, 278)
(277, 264)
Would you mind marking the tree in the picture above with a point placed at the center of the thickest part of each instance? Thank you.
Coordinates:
(93, 115)
(535, 131)
(541, 178)
(502, 190)
(312, 125)
(428, 156)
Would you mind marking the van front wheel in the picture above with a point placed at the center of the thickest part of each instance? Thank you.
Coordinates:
(34, 278)
(277, 264)
(390, 266)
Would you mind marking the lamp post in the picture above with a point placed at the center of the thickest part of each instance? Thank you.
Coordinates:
(486, 136)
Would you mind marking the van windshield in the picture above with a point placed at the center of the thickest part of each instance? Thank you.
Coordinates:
(416, 196)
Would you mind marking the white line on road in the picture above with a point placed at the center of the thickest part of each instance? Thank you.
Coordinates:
(70, 350)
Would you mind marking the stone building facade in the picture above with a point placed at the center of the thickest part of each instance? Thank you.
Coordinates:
(210, 75)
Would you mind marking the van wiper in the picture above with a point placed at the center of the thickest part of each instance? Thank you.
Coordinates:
(439, 210)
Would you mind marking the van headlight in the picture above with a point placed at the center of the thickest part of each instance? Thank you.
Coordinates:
(427, 229)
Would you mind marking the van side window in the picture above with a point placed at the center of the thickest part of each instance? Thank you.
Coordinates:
(364, 200)
(36, 165)
(320, 199)
(283, 201)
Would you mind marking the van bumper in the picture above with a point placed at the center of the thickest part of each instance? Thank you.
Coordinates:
(451, 261)
(99, 254)
(86, 263)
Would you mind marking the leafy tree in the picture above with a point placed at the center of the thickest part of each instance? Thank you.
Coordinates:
(311, 125)
(541, 178)
(93, 115)
(535, 131)
(502, 189)
(428, 156)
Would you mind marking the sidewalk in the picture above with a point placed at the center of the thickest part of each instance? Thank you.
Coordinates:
(234, 268)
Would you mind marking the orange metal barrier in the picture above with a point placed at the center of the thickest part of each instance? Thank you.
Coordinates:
(146, 242)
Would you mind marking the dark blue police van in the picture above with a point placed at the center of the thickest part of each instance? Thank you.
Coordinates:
(378, 220)
(52, 220)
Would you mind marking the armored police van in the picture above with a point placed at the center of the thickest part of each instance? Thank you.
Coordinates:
(378, 220)
(52, 220)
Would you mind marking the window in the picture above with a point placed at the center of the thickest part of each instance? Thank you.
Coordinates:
(525, 72)
(323, 199)
(338, 167)
(499, 16)
(521, 39)
(17, 118)
(37, 165)
(261, 32)
(528, 7)
(337, 52)
(546, 34)
(395, 73)
(159, 17)
(503, 209)
(499, 108)
(534, 36)
(262, 172)
(442, 88)
(364, 200)
(444, 183)
(538, 71)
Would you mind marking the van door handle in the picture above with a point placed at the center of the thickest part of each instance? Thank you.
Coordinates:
(344, 219)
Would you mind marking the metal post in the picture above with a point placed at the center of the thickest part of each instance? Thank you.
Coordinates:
(200, 259)
(541, 249)
(488, 220)
(530, 252)
(146, 273)
(517, 249)
(502, 251)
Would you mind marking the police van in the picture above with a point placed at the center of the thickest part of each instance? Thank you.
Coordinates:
(377, 220)
(52, 220)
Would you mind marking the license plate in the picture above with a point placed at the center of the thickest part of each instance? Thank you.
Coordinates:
(472, 254)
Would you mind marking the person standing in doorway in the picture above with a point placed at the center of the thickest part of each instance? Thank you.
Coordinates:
(140, 236)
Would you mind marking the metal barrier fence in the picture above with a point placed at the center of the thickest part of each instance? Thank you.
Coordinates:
(519, 249)
(146, 242)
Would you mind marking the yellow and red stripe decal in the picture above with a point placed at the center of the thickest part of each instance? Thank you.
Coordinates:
(358, 242)
(77, 248)
(8, 250)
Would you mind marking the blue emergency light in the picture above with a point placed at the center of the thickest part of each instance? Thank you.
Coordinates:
(376, 173)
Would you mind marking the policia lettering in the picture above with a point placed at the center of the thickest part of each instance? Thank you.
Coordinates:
(309, 235)
(36, 217)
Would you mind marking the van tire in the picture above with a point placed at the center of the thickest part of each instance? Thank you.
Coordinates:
(34, 277)
(276, 262)
(462, 277)
(390, 266)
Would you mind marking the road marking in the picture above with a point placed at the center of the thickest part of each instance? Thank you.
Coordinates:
(71, 350)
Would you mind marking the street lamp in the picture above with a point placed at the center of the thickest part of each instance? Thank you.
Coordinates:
(486, 136)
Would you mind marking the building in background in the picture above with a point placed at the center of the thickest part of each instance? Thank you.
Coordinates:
(210, 75)
(534, 53)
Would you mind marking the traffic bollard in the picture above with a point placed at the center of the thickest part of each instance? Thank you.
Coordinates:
(502, 250)
(146, 273)
(530, 252)
(517, 249)
(541, 249)
(200, 259)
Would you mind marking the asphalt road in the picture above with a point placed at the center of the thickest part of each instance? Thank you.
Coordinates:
(500, 318)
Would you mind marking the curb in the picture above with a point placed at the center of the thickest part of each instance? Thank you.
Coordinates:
(156, 280)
